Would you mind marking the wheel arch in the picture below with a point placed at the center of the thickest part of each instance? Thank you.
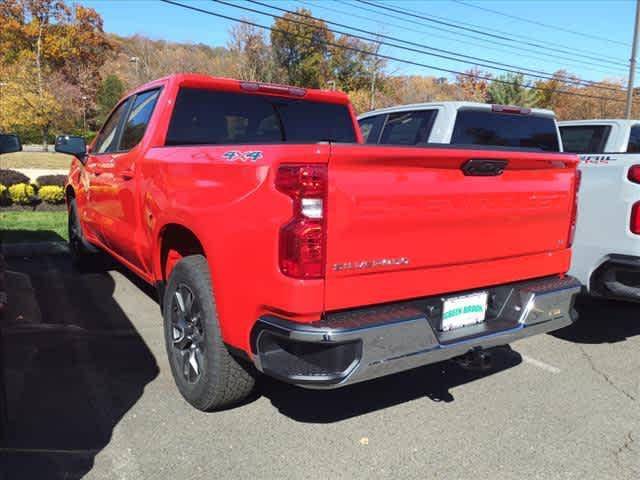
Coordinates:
(175, 241)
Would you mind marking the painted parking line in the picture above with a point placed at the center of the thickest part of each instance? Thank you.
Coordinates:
(540, 364)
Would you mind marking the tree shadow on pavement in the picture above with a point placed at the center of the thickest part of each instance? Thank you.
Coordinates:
(73, 366)
(432, 381)
(602, 321)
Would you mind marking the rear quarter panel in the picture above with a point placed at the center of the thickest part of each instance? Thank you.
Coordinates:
(230, 203)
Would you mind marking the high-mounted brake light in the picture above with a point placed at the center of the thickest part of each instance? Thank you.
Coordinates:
(574, 208)
(634, 174)
(510, 109)
(302, 239)
(269, 88)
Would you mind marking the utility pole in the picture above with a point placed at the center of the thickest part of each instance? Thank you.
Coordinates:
(632, 62)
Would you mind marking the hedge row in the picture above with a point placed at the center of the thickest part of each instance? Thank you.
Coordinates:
(30, 194)
(15, 189)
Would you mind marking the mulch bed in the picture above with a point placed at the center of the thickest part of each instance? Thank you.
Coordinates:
(41, 207)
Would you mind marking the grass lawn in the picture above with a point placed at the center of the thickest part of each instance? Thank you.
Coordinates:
(35, 160)
(22, 227)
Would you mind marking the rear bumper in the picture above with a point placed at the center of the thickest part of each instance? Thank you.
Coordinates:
(357, 345)
(617, 278)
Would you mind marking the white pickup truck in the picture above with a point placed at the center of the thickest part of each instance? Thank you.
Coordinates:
(462, 123)
(606, 251)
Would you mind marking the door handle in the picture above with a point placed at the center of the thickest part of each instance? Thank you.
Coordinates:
(127, 174)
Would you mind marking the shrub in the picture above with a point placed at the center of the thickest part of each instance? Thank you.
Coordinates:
(4, 196)
(51, 194)
(11, 177)
(22, 194)
(56, 180)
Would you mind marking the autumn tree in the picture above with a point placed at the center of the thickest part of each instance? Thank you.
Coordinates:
(300, 48)
(254, 57)
(473, 85)
(511, 89)
(110, 91)
(55, 51)
(352, 63)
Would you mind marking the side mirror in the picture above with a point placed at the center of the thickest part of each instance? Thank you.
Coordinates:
(9, 144)
(72, 145)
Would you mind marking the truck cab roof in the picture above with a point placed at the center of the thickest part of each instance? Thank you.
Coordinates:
(451, 107)
(227, 84)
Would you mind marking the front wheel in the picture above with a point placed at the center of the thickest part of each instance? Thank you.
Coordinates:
(206, 374)
(81, 257)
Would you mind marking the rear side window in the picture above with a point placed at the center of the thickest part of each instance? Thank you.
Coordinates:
(585, 138)
(138, 119)
(634, 140)
(371, 127)
(408, 128)
(480, 127)
(208, 117)
(108, 137)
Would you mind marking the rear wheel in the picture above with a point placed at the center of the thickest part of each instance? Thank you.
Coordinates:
(206, 374)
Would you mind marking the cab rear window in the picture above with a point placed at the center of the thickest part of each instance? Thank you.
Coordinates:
(480, 127)
(584, 138)
(208, 117)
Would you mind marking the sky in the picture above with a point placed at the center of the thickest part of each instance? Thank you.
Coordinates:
(602, 30)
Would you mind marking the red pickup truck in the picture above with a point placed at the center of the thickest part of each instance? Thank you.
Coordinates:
(278, 242)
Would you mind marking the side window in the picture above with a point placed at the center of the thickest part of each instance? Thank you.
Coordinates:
(371, 127)
(634, 140)
(408, 128)
(107, 138)
(138, 119)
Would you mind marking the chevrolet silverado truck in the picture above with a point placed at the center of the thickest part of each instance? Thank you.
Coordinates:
(281, 244)
(462, 123)
(606, 256)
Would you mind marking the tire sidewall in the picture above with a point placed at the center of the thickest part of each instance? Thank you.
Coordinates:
(186, 273)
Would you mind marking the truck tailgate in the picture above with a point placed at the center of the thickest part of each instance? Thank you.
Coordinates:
(409, 222)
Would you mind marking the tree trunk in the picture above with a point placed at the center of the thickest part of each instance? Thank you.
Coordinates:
(45, 138)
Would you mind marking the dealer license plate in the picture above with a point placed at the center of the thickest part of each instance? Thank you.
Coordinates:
(462, 311)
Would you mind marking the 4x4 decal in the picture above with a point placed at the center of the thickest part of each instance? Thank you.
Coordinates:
(250, 156)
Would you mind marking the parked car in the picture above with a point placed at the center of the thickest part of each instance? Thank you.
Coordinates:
(9, 143)
(280, 244)
(462, 123)
(607, 246)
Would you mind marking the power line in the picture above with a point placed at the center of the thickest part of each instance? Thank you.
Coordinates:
(540, 24)
(474, 30)
(380, 55)
(588, 53)
(520, 50)
(476, 61)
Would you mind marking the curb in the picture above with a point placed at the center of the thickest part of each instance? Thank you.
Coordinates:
(34, 249)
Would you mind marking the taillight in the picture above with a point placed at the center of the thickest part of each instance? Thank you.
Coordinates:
(574, 208)
(302, 239)
(634, 174)
(634, 224)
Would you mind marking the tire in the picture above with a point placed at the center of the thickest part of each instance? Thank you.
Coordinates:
(81, 258)
(206, 374)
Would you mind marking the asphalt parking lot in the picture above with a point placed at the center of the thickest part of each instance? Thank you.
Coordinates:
(89, 394)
